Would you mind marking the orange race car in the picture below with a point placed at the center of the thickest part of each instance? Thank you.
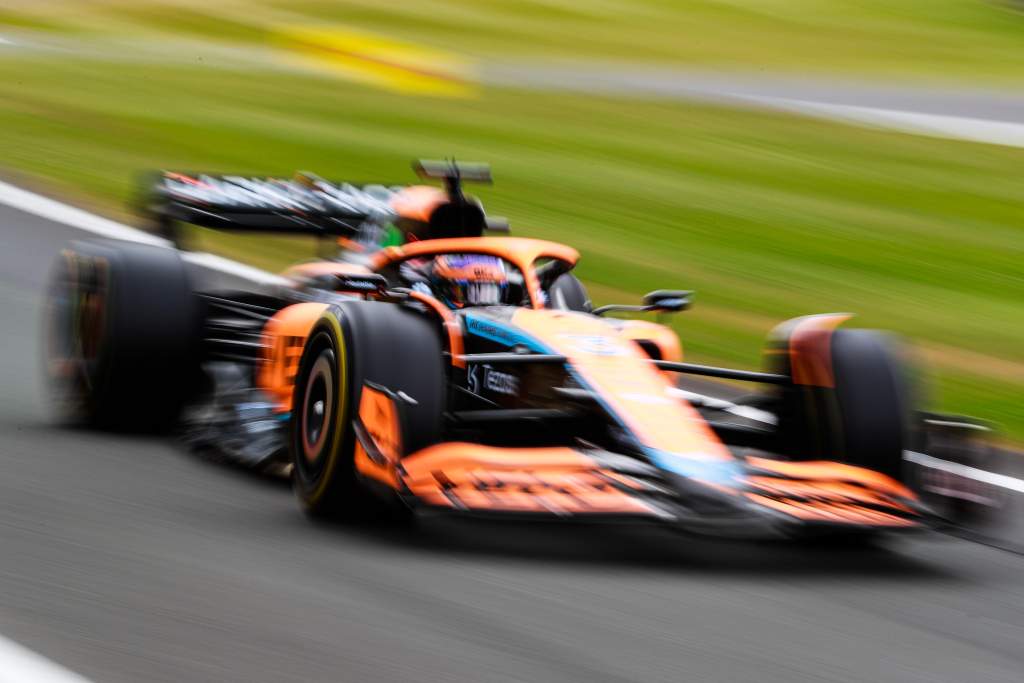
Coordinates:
(425, 366)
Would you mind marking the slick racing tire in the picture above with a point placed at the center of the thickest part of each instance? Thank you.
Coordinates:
(866, 419)
(356, 343)
(123, 335)
(567, 293)
(875, 397)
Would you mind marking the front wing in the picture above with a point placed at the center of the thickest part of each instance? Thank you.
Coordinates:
(769, 496)
(764, 497)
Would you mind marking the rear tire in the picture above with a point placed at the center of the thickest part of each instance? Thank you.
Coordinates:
(123, 336)
(354, 343)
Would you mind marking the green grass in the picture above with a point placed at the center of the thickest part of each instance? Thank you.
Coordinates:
(766, 215)
(972, 40)
(20, 20)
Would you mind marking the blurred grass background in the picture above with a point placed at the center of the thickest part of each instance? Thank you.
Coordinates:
(767, 215)
(978, 40)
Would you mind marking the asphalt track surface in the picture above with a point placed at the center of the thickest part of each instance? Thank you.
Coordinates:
(128, 559)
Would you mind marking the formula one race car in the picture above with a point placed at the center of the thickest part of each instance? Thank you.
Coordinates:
(425, 366)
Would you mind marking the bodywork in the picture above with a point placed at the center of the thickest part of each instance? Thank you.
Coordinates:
(556, 374)
(550, 413)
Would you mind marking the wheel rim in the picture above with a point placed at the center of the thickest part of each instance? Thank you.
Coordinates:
(76, 320)
(317, 405)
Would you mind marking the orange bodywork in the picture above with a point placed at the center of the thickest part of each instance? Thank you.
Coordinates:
(315, 268)
(558, 481)
(378, 416)
(521, 252)
(418, 202)
(666, 341)
(562, 480)
(823, 491)
(834, 471)
(634, 390)
(808, 343)
(451, 325)
(607, 359)
(833, 512)
(831, 492)
(285, 337)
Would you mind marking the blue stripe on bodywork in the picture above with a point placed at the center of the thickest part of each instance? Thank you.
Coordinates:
(727, 472)
(715, 471)
(488, 328)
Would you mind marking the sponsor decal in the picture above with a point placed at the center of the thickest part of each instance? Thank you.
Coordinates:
(366, 284)
(595, 345)
(487, 329)
(481, 377)
(483, 327)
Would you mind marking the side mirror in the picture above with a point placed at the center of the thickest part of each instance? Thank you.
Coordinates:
(361, 283)
(356, 283)
(658, 301)
(668, 300)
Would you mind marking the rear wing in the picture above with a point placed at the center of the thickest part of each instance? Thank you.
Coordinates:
(305, 204)
(454, 173)
(441, 169)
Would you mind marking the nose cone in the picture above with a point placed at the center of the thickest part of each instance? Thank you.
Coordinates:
(707, 470)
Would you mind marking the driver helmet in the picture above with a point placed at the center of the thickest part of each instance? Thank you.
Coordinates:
(470, 280)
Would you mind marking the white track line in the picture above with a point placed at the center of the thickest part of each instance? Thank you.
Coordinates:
(50, 209)
(38, 205)
(987, 131)
(18, 664)
(984, 476)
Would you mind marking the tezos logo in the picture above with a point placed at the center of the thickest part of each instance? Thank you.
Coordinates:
(481, 377)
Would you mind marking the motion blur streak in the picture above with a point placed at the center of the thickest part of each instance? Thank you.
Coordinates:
(128, 560)
(45, 207)
(380, 61)
(753, 151)
(935, 125)
(1000, 480)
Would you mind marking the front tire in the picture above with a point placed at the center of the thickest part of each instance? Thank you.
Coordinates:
(866, 417)
(320, 440)
(353, 344)
(875, 395)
